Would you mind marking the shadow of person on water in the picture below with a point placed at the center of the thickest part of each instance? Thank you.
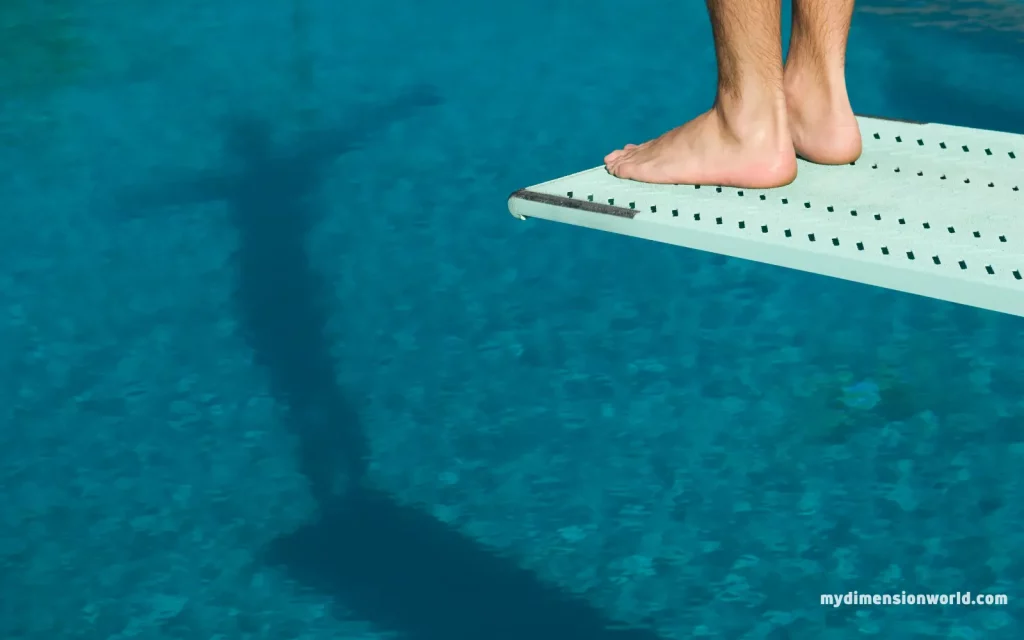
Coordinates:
(280, 299)
(392, 565)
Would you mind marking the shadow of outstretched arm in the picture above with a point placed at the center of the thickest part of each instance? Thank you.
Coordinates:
(207, 186)
(249, 148)
(363, 124)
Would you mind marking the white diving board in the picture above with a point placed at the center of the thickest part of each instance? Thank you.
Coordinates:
(928, 209)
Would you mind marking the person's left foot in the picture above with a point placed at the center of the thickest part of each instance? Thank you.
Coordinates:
(707, 151)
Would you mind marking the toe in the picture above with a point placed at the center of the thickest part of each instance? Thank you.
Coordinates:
(622, 170)
(614, 165)
(623, 158)
(618, 153)
(613, 156)
(629, 168)
(622, 167)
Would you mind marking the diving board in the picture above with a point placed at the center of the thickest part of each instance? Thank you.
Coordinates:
(928, 209)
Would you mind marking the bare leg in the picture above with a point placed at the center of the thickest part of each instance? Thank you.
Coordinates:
(821, 120)
(744, 140)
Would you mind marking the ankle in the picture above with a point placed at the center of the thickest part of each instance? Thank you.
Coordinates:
(813, 84)
(810, 59)
(753, 118)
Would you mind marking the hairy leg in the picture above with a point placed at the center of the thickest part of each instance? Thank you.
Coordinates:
(744, 140)
(821, 120)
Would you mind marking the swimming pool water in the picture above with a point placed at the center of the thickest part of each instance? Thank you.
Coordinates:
(277, 363)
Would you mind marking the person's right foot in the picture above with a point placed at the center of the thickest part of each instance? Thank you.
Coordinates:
(821, 121)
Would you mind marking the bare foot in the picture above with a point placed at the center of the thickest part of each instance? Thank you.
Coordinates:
(821, 120)
(707, 151)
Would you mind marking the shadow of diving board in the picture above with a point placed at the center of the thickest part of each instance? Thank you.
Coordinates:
(928, 209)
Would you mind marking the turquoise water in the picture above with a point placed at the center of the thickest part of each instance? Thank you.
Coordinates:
(278, 364)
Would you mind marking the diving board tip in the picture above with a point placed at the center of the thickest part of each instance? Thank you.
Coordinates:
(928, 209)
